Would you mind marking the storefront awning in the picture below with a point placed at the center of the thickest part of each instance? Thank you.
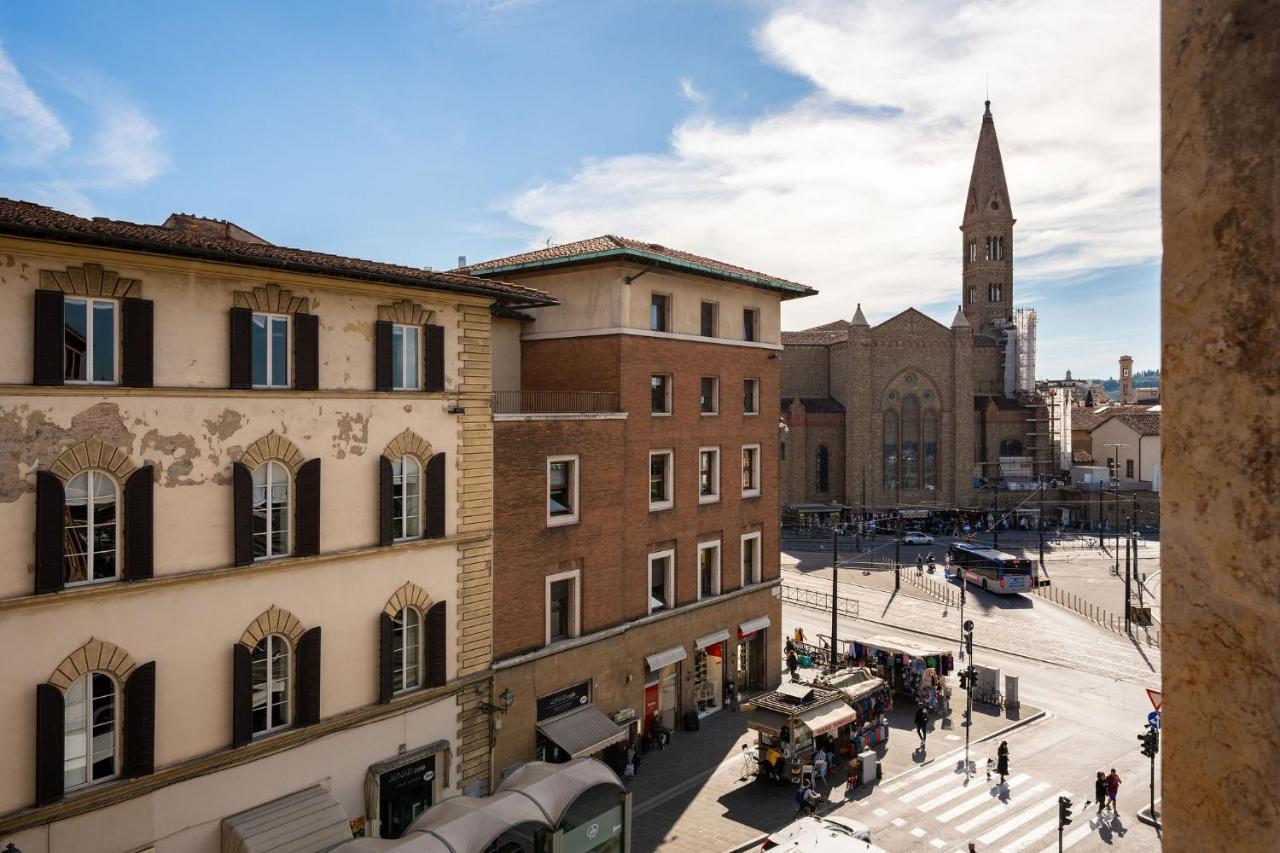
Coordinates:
(753, 625)
(764, 720)
(896, 645)
(658, 660)
(306, 822)
(582, 731)
(829, 717)
(711, 639)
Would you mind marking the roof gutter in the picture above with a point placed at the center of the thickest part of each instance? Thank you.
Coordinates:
(139, 245)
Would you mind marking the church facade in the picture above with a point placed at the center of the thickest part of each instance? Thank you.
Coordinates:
(913, 413)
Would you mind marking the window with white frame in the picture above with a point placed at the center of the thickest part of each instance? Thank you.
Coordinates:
(662, 580)
(708, 475)
(709, 396)
(91, 730)
(271, 501)
(272, 679)
(269, 339)
(406, 650)
(750, 470)
(405, 357)
(660, 479)
(751, 324)
(406, 498)
(660, 394)
(92, 524)
(751, 396)
(750, 558)
(562, 490)
(89, 337)
(708, 569)
(563, 606)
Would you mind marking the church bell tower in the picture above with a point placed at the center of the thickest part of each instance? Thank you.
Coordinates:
(987, 229)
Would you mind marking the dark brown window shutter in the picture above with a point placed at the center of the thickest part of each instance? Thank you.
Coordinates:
(241, 348)
(46, 365)
(308, 675)
(307, 516)
(382, 355)
(437, 647)
(433, 521)
(50, 507)
(140, 721)
(49, 744)
(242, 512)
(241, 695)
(432, 358)
(306, 352)
(386, 636)
(386, 500)
(137, 338)
(139, 538)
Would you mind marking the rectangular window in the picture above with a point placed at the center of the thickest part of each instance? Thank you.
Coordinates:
(710, 319)
(1128, 468)
(562, 606)
(89, 340)
(270, 340)
(995, 292)
(750, 558)
(751, 396)
(708, 475)
(660, 312)
(405, 357)
(562, 490)
(660, 394)
(751, 471)
(660, 479)
(708, 569)
(709, 397)
(750, 324)
(973, 293)
(662, 581)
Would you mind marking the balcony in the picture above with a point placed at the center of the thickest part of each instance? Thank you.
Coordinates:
(555, 403)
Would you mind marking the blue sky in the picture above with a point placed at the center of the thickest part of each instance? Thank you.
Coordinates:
(828, 142)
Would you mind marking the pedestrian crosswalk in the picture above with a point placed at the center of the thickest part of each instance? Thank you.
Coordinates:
(938, 806)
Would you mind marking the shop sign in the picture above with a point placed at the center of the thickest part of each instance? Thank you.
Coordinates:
(624, 716)
(555, 704)
(593, 833)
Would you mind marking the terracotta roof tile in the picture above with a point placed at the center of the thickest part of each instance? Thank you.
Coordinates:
(609, 245)
(1082, 457)
(24, 219)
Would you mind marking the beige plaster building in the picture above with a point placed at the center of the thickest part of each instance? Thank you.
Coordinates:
(246, 493)
(912, 412)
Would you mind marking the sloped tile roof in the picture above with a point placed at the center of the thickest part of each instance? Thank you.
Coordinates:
(24, 219)
(1082, 457)
(827, 333)
(609, 245)
(1146, 424)
(1141, 419)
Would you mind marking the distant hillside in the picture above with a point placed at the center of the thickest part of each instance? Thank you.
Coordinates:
(1141, 379)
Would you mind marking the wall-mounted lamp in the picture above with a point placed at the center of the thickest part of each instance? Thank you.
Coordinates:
(505, 700)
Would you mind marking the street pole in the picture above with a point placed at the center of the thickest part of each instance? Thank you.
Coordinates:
(1128, 575)
(835, 589)
(897, 544)
(1041, 525)
(968, 695)
(995, 514)
(862, 516)
(1115, 484)
(1137, 578)
(1100, 491)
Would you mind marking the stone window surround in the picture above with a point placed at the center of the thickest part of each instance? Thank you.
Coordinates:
(94, 656)
(271, 299)
(90, 280)
(272, 447)
(93, 454)
(273, 620)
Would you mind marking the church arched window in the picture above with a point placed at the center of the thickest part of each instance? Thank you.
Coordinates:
(910, 442)
(909, 450)
(929, 459)
(890, 452)
(1010, 447)
(824, 469)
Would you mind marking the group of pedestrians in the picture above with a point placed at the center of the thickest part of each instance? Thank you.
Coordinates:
(1105, 789)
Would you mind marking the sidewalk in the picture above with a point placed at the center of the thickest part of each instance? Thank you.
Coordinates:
(691, 796)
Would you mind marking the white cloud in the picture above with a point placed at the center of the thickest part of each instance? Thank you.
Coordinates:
(858, 189)
(32, 131)
(690, 92)
(127, 149)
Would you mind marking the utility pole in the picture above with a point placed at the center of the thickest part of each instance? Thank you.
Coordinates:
(862, 514)
(1043, 480)
(968, 695)
(835, 591)
(1100, 491)
(897, 544)
(1137, 578)
(995, 513)
(1128, 575)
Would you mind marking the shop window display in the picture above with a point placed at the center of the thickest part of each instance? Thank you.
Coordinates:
(708, 678)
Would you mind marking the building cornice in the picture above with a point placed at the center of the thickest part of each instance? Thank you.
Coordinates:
(88, 391)
(646, 333)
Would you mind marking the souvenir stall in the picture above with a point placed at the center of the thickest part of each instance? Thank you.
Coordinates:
(916, 672)
(790, 719)
(868, 696)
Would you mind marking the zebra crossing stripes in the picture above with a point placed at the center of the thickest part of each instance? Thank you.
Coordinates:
(980, 799)
(1024, 816)
(929, 786)
(999, 809)
(912, 778)
(1026, 840)
(1071, 838)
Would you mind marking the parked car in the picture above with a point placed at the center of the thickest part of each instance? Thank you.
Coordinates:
(915, 537)
(821, 834)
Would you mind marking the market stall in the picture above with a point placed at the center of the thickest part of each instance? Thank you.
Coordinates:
(868, 696)
(910, 670)
(789, 722)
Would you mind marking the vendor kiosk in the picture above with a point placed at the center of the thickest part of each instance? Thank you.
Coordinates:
(911, 670)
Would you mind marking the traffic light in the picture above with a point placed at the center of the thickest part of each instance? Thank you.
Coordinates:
(1064, 812)
(964, 679)
(1150, 740)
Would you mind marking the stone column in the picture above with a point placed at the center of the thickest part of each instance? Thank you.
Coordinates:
(1221, 412)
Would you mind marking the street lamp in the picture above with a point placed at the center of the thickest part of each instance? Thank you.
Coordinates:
(968, 696)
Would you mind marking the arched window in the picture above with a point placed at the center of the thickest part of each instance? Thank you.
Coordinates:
(890, 453)
(271, 679)
(92, 528)
(406, 498)
(929, 467)
(910, 442)
(90, 732)
(406, 650)
(1010, 447)
(270, 510)
(824, 469)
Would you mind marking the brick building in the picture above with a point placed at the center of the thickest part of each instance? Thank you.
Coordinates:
(212, 450)
(909, 411)
(636, 471)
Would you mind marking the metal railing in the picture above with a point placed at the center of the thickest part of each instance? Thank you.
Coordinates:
(554, 402)
(816, 600)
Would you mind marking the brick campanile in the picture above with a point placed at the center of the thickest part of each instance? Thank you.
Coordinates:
(987, 242)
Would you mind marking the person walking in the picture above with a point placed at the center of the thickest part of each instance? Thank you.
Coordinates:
(1113, 788)
(1100, 791)
(820, 767)
(1002, 760)
(799, 635)
(922, 723)
(792, 663)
